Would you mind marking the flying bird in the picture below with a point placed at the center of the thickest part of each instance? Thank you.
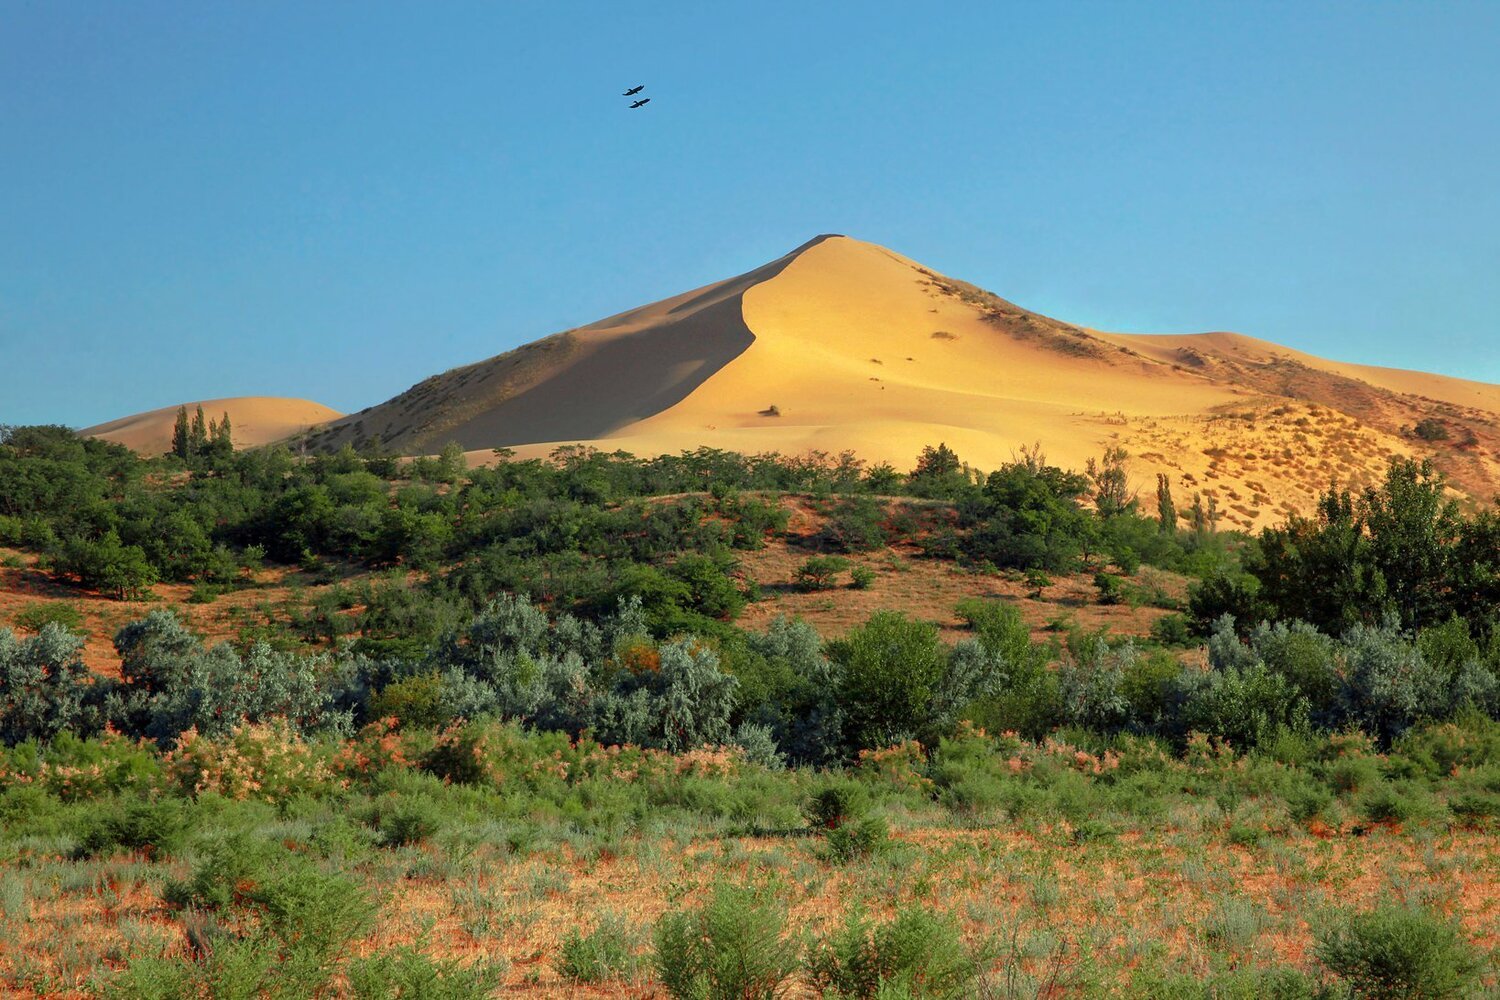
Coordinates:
(641, 102)
(633, 91)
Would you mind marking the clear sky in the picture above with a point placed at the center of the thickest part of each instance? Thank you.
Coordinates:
(334, 201)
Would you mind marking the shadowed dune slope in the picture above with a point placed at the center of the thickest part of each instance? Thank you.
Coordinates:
(253, 420)
(583, 384)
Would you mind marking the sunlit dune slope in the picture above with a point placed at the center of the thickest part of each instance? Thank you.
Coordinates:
(253, 420)
(844, 345)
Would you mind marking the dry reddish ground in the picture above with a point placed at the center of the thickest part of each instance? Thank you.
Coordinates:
(103, 616)
(926, 588)
(1147, 893)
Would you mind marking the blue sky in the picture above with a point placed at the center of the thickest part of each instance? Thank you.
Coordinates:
(334, 201)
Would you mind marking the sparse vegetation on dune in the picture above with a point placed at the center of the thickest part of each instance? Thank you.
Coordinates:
(546, 728)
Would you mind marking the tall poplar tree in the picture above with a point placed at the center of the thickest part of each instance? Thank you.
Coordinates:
(1166, 510)
(181, 442)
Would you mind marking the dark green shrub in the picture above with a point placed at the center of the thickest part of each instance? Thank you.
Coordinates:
(914, 955)
(153, 828)
(1430, 429)
(1093, 830)
(311, 911)
(408, 974)
(818, 572)
(413, 701)
(227, 866)
(400, 820)
(1111, 591)
(35, 616)
(607, 952)
(854, 841)
(731, 949)
(855, 525)
(458, 756)
(1172, 630)
(861, 577)
(833, 806)
(891, 666)
(1397, 952)
(1036, 582)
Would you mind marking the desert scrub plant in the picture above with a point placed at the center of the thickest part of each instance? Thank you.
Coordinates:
(149, 827)
(37, 615)
(861, 577)
(401, 819)
(818, 572)
(1400, 952)
(407, 973)
(863, 838)
(838, 811)
(733, 948)
(607, 952)
(916, 954)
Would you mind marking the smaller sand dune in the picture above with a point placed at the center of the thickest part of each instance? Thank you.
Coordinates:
(254, 420)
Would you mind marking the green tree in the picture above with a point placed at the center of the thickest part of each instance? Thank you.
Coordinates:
(198, 434)
(1166, 510)
(119, 570)
(182, 441)
(1413, 530)
(1111, 488)
(891, 667)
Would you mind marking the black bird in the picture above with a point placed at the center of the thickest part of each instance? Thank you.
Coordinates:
(642, 101)
(633, 91)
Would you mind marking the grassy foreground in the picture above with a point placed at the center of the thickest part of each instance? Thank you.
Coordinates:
(482, 860)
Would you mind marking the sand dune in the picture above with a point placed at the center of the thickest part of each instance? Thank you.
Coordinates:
(844, 345)
(580, 385)
(254, 420)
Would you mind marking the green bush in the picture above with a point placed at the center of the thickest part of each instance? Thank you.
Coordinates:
(732, 949)
(151, 827)
(607, 952)
(891, 667)
(1172, 630)
(413, 701)
(913, 955)
(861, 577)
(1399, 952)
(36, 615)
(408, 974)
(833, 806)
(818, 572)
(855, 525)
(401, 820)
(226, 867)
(857, 840)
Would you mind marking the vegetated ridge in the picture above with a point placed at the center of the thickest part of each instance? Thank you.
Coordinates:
(256, 420)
